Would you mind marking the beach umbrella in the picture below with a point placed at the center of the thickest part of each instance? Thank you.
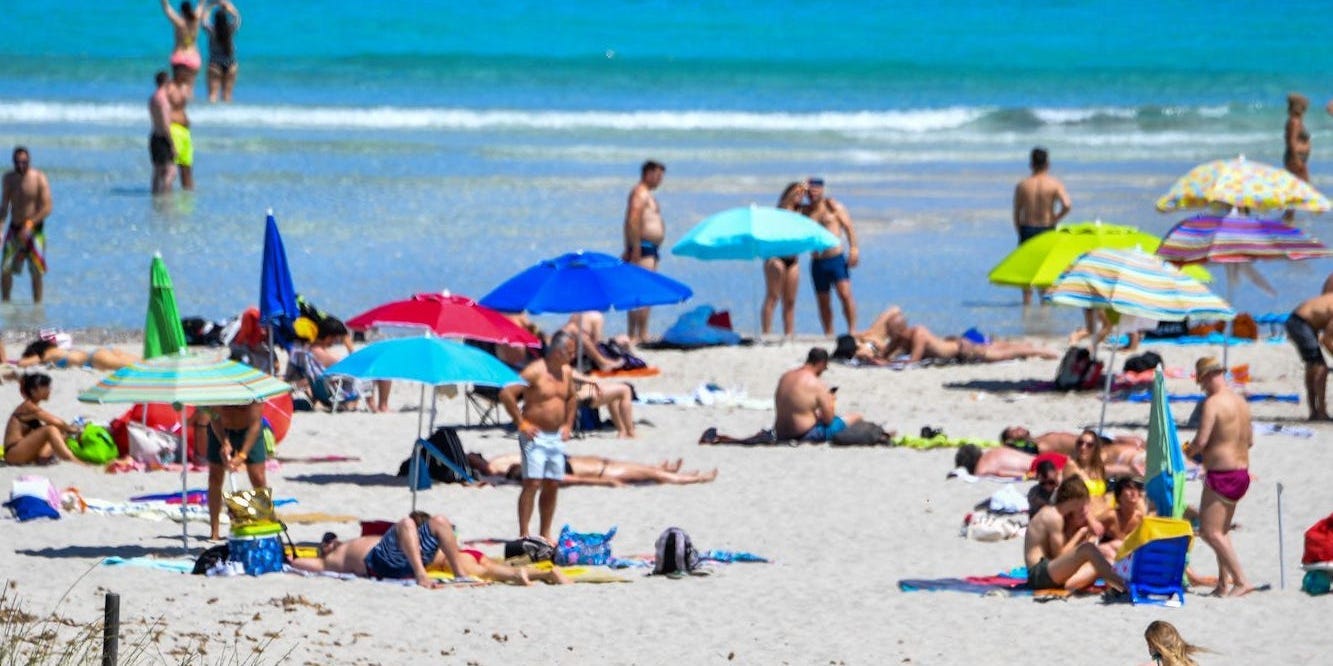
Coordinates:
(754, 232)
(1234, 240)
(582, 281)
(1038, 262)
(1135, 284)
(185, 379)
(1165, 466)
(277, 297)
(1242, 183)
(431, 361)
(447, 315)
(162, 331)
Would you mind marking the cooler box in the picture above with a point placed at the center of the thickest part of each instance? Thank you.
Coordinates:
(259, 555)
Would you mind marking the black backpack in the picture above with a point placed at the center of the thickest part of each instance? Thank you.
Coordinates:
(1077, 370)
(675, 553)
(444, 458)
(210, 558)
(532, 548)
(1145, 361)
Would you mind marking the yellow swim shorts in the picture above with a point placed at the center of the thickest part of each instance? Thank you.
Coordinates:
(180, 135)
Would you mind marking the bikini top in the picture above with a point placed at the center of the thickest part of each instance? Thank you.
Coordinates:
(1096, 487)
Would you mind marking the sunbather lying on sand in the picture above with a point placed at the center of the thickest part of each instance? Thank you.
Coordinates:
(1001, 461)
(919, 343)
(1060, 548)
(1020, 437)
(595, 471)
(405, 551)
(102, 358)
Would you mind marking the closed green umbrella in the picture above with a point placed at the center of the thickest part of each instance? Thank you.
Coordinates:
(162, 331)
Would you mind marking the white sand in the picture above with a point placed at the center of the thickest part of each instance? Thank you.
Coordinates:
(842, 526)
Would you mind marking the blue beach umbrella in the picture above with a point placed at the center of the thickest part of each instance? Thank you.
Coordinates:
(277, 296)
(431, 361)
(754, 232)
(1165, 465)
(581, 281)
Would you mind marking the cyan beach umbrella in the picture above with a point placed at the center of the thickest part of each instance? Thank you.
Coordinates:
(162, 331)
(1135, 284)
(581, 281)
(431, 361)
(277, 296)
(754, 232)
(1165, 466)
(185, 379)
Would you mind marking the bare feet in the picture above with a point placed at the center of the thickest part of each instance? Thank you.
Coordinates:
(523, 577)
(559, 577)
(1240, 590)
(675, 466)
(709, 476)
(1199, 580)
(709, 436)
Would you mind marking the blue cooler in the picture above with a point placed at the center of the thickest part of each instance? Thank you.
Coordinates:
(258, 554)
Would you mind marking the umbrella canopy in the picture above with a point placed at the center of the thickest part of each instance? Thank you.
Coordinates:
(1136, 284)
(1233, 239)
(447, 315)
(428, 360)
(1165, 467)
(1038, 262)
(1242, 183)
(581, 281)
(754, 232)
(185, 379)
(162, 331)
(277, 296)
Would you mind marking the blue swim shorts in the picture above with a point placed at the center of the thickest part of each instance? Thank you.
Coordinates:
(543, 456)
(824, 433)
(648, 249)
(828, 272)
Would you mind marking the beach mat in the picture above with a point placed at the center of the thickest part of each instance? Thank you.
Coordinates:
(1146, 396)
(646, 371)
(1000, 585)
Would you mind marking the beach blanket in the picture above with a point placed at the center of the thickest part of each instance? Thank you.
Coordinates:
(1146, 396)
(174, 565)
(1008, 584)
(318, 459)
(1265, 428)
(646, 371)
(941, 442)
(708, 395)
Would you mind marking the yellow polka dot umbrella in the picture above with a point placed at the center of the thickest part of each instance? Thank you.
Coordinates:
(1242, 183)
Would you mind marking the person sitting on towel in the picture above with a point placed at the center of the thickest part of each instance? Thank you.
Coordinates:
(1060, 548)
(406, 550)
(805, 405)
(1042, 492)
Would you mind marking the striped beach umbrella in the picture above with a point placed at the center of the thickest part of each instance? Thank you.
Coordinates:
(1242, 183)
(1236, 239)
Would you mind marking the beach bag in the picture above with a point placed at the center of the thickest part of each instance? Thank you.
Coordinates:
(250, 507)
(585, 548)
(1077, 370)
(211, 558)
(1319, 542)
(150, 445)
(534, 549)
(1143, 362)
(39, 487)
(1243, 326)
(675, 553)
(861, 433)
(614, 350)
(94, 445)
(1169, 329)
(447, 464)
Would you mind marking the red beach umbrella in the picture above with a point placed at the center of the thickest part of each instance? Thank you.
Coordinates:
(447, 315)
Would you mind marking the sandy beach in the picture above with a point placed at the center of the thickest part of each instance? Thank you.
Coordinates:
(842, 527)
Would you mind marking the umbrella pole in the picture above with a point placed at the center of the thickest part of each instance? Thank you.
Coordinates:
(1281, 543)
(1226, 337)
(185, 466)
(1110, 374)
(416, 454)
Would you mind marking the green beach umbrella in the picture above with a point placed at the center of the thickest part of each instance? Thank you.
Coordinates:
(1164, 471)
(1038, 262)
(162, 332)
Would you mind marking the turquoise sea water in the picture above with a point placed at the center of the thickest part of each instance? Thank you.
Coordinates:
(426, 146)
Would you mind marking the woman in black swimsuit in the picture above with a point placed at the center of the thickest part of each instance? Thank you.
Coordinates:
(782, 275)
(222, 50)
(32, 434)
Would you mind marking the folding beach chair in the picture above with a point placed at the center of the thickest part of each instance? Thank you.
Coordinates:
(1152, 561)
(324, 388)
(485, 400)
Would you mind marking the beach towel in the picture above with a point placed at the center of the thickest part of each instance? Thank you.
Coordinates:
(646, 371)
(1146, 396)
(1004, 584)
(26, 507)
(694, 330)
(941, 441)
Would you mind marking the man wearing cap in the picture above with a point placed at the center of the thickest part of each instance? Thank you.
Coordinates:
(1222, 443)
(831, 269)
(1035, 204)
(1310, 329)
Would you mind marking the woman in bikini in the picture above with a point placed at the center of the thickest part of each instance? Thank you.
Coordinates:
(101, 358)
(222, 66)
(34, 435)
(1296, 157)
(233, 434)
(186, 25)
(595, 471)
(782, 275)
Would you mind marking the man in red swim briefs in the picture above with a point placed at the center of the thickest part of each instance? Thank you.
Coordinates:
(1223, 442)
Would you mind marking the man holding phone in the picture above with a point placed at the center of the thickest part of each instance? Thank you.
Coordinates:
(806, 407)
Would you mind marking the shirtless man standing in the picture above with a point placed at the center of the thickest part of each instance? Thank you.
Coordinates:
(26, 200)
(160, 148)
(1060, 548)
(831, 269)
(544, 425)
(805, 405)
(1310, 328)
(1223, 441)
(644, 233)
(178, 95)
(1035, 200)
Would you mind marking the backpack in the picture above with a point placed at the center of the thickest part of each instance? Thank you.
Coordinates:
(675, 553)
(1078, 370)
(861, 433)
(447, 463)
(585, 548)
(210, 558)
(1142, 362)
(532, 548)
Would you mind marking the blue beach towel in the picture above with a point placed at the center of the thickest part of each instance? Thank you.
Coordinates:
(1146, 396)
(26, 507)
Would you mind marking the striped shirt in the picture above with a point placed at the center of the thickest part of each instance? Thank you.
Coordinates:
(387, 559)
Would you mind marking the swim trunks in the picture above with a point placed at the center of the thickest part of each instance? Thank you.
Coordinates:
(159, 149)
(18, 252)
(829, 271)
(180, 135)
(1303, 335)
(387, 560)
(187, 59)
(824, 433)
(648, 249)
(1026, 232)
(258, 453)
(1231, 484)
(1039, 576)
(543, 456)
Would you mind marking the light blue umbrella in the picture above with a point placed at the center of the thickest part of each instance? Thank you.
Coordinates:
(581, 281)
(754, 232)
(431, 361)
